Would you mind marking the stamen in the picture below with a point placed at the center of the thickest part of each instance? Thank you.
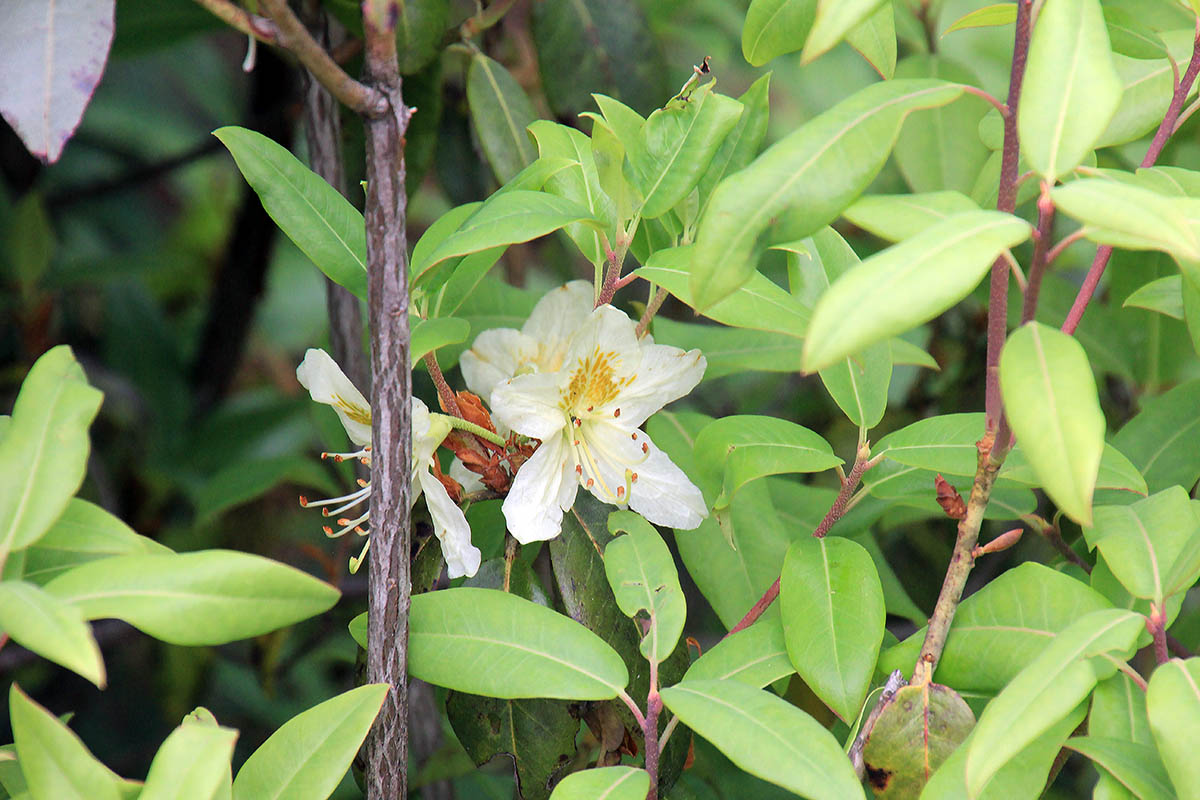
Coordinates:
(645, 448)
(633, 436)
(590, 483)
(303, 501)
(633, 477)
(579, 469)
(617, 413)
(362, 482)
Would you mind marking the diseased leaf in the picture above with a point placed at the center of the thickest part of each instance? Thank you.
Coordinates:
(914, 735)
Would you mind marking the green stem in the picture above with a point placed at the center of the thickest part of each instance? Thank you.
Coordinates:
(470, 427)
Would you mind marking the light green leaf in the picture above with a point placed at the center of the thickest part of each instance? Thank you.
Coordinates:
(756, 656)
(441, 228)
(730, 350)
(1146, 542)
(1163, 439)
(430, 334)
(192, 764)
(753, 446)
(987, 17)
(313, 214)
(529, 650)
(759, 303)
(833, 20)
(998, 630)
(44, 449)
(309, 755)
(907, 353)
(1130, 217)
(1071, 88)
(1116, 471)
(1135, 766)
(504, 219)
(943, 444)
(1061, 676)
(55, 763)
(1050, 399)
(51, 628)
(501, 112)
(604, 783)
(741, 145)
(1191, 312)
(907, 284)
(896, 217)
(875, 40)
(819, 169)
(208, 597)
(775, 27)
(676, 145)
(1148, 86)
(1173, 705)
(833, 616)
(642, 575)
(1163, 295)
(579, 182)
(766, 736)
(1130, 38)
(85, 532)
(1119, 709)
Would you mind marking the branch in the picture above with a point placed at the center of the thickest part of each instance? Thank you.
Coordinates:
(391, 399)
(895, 683)
(1103, 253)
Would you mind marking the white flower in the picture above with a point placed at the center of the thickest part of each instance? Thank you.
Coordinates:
(587, 416)
(327, 384)
(540, 345)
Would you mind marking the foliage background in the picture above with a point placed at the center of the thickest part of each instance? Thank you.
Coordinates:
(146, 252)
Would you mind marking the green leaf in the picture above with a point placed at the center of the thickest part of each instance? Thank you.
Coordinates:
(1119, 709)
(191, 764)
(833, 617)
(753, 446)
(896, 217)
(44, 449)
(907, 284)
(1173, 705)
(313, 214)
(1071, 88)
(940, 149)
(579, 182)
(1062, 675)
(1116, 471)
(918, 729)
(1130, 217)
(995, 15)
(833, 20)
(430, 334)
(907, 353)
(1146, 542)
(766, 736)
(819, 170)
(504, 219)
(310, 753)
(741, 145)
(530, 650)
(1163, 295)
(604, 783)
(55, 763)
(1130, 38)
(501, 112)
(31, 242)
(85, 532)
(756, 656)
(943, 444)
(642, 575)
(1136, 766)
(759, 303)
(676, 145)
(1162, 440)
(875, 40)
(729, 350)
(1191, 312)
(1148, 86)
(1050, 399)
(204, 598)
(998, 630)
(51, 628)
(420, 28)
(775, 27)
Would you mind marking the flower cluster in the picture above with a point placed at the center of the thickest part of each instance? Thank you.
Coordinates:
(576, 383)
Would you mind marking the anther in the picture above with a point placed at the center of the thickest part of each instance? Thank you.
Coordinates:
(620, 492)
(590, 483)
(303, 501)
(645, 447)
(328, 530)
(579, 469)
(589, 408)
(633, 436)
(325, 512)
(617, 413)
(576, 443)
(633, 477)
(338, 458)
(343, 522)
(361, 482)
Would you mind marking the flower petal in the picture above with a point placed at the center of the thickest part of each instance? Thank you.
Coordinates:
(607, 330)
(469, 481)
(450, 527)
(495, 357)
(664, 374)
(555, 319)
(543, 488)
(529, 405)
(327, 384)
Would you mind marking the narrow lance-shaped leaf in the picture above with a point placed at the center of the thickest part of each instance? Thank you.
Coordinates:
(834, 19)
(907, 284)
(1173, 705)
(55, 763)
(44, 448)
(987, 17)
(51, 628)
(313, 214)
(501, 111)
(191, 764)
(775, 27)
(1071, 88)
(819, 169)
(642, 574)
(1130, 217)
(1051, 402)
(756, 656)
(741, 145)
(875, 40)
(580, 182)
(833, 616)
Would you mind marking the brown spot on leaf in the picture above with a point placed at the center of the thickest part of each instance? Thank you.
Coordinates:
(878, 778)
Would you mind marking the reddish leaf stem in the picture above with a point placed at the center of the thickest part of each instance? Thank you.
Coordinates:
(1041, 247)
(660, 295)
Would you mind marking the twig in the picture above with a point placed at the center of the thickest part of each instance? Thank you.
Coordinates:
(980, 93)
(1051, 534)
(1041, 246)
(1156, 623)
(445, 393)
(240, 19)
(1064, 243)
(650, 737)
(894, 683)
(390, 587)
(652, 308)
(1165, 129)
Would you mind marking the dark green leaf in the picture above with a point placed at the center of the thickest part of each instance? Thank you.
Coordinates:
(500, 111)
(1162, 440)
(419, 31)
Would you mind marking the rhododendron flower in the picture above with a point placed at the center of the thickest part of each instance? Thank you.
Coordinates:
(587, 416)
(327, 384)
(540, 345)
